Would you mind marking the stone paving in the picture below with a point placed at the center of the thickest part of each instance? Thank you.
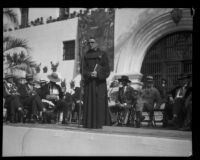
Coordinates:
(157, 131)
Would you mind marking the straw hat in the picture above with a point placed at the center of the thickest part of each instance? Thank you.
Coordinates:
(54, 77)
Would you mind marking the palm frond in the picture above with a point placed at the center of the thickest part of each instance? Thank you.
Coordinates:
(12, 43)
(11, 15)
(28, 60)
(25, 64)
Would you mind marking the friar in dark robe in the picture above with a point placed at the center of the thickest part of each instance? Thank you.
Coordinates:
(95, 100)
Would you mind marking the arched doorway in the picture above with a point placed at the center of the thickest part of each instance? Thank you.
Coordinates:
(169, 57)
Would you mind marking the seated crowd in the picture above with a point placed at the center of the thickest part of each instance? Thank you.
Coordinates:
(127, 104)
(46, 102)
(28, 101)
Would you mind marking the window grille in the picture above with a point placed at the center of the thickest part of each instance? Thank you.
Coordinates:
(169, 57)
(68, 50)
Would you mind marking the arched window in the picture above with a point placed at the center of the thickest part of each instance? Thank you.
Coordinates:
(169, 57)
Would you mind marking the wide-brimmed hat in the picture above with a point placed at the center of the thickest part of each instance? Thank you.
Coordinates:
(9, 75)
(29, 77)
(54, 77)
(124, 79)
(149, 78)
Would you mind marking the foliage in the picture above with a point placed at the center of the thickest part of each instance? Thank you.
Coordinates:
(11, 15)
(10, 43)
(16, 50)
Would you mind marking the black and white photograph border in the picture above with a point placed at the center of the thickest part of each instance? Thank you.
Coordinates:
(145, 72)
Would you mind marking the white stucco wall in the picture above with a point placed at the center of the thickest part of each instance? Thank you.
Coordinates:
(46, 42)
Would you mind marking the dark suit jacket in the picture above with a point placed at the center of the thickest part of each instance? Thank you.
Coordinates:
(44, 91)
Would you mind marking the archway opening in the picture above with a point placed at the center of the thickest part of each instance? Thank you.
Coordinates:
(169, 57)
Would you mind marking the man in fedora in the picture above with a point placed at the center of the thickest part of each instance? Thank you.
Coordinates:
(31, 99)
(126, 99)
(151, 98)
(12, 101)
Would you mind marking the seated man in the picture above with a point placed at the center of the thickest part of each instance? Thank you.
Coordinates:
(179, 100)
(168, 110)
(31, 99)
(126, 100)
(150, 96)
(12, 101)
(53, 92)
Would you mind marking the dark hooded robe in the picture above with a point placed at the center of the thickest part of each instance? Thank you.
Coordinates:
(95, 98)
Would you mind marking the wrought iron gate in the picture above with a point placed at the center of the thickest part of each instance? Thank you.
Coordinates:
(169, 57)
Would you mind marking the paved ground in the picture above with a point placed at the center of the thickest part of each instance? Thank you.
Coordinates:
(73, 140)
(144, 131)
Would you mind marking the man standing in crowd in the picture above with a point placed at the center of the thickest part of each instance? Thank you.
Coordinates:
(95, 71)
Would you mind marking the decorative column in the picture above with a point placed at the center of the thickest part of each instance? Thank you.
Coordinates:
(24, 17)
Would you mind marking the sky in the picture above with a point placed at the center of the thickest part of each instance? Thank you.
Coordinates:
(35, 13)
